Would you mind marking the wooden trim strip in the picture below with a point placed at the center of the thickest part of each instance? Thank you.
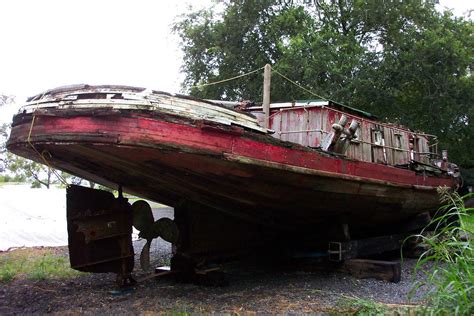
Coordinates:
(303, 170)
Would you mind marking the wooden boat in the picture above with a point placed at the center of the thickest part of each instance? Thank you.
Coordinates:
(318, 170)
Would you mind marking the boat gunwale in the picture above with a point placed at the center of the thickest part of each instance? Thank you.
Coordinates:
(166, 103)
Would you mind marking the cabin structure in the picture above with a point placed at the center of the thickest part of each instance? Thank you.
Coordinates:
(315, 123)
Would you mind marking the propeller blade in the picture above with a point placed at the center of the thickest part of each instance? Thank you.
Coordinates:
(142, 215)
(167, 229)
(145, 256)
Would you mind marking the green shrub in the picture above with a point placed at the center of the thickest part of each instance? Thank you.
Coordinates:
(7, 273)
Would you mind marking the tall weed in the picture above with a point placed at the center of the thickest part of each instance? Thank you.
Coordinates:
(451, 254)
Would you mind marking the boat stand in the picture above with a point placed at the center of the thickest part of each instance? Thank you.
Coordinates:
(359, 257)
(350, 257)
(355, 256)
(98, 221)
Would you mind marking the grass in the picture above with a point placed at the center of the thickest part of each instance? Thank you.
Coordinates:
(352, 305)
(34, 264)
(451, 251)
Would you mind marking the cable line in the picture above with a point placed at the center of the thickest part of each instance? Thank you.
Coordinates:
(226, 80)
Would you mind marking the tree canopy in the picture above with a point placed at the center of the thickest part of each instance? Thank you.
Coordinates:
(402, 60)
(4, 128)
(14, 168)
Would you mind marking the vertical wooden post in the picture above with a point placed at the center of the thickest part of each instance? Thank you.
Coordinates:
(267, 75)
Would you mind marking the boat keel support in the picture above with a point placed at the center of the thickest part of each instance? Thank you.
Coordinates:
(100, 227)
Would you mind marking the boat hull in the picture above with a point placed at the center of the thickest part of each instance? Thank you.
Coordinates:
(229, 169)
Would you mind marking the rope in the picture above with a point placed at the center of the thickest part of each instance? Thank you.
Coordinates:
(299, 86)
(254, 71)
(42, 155)
(226, 80)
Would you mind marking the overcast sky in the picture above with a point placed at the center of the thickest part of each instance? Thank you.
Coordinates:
(51, 43)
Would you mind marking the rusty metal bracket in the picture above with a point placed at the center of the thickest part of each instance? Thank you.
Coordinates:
(335, 251)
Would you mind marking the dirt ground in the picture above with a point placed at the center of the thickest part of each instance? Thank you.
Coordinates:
(251, 289)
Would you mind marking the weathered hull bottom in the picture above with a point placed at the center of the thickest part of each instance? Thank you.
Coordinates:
(224, 198)
(169, 177)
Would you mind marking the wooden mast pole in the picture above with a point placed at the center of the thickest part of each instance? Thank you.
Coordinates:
(267, 75)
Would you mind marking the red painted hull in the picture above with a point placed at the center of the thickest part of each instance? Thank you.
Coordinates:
(243, 173)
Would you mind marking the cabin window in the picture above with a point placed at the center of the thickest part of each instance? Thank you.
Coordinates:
(398, 141)
(378, 139)
(379, 154)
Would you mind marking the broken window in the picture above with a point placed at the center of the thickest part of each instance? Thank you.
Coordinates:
(378, 138)
(398, 141)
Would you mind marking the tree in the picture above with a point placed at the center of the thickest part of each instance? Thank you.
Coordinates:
(6, 99)
(29, 170)
(19, 169)
(3, 141)
(4, 128)
(16, 168)
(401, 60)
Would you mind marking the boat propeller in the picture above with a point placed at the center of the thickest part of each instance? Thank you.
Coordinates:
(150, 229)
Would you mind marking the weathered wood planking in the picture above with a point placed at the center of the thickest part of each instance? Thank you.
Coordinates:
(308, 125)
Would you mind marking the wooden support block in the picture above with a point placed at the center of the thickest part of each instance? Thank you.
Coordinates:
(414, 248)
(381, 270)
(340, 251)
(359, 268)
(416, 223)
